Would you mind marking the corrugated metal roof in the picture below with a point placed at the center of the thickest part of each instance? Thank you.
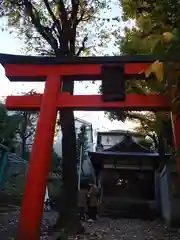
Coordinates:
(83, 121)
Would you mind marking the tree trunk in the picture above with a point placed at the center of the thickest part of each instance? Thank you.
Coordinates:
(23, 134)
(23, 148)
(68, 213)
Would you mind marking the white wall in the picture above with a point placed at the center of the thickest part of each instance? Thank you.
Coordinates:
(58, 146)
(78, 125)
(110, 140)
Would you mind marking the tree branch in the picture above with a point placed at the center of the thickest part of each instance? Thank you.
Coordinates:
(44, 31)
(50, 10)
(139, 117)
(73, 24)
(29, 8)
(55, 20)
(81, 17)
(62, 12)
(28, 135)
(81, 49)
(75, 5)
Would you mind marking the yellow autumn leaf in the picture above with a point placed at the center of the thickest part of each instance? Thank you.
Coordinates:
(168, 37)
(148, 72)
(157, 69)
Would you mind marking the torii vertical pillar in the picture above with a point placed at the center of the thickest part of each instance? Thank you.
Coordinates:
(176, 132)
(32, 206)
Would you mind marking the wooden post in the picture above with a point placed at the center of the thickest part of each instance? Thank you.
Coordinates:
(32, 206)
(176, 132)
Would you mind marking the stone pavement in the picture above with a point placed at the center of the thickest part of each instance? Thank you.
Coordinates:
(104, 228)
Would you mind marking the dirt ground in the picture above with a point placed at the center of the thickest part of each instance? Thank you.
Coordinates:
(104, 228)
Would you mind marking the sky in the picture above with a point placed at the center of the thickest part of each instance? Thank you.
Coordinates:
(12, 45)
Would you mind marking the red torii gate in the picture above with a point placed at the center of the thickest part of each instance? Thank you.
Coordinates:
(54, 71)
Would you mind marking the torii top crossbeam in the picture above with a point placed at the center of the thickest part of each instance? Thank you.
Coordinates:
(133, 65)
(78, 68)
(33, 69)
(22, 59)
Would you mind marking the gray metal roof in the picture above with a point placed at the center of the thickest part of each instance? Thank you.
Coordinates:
(110, 153)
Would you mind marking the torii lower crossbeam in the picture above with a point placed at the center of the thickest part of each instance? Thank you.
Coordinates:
(133, 102)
